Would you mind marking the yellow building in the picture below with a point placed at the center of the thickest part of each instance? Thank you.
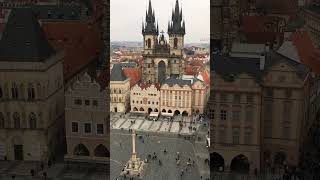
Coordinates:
(119, 90)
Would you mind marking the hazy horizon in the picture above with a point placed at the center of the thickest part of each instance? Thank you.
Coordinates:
(126, 21)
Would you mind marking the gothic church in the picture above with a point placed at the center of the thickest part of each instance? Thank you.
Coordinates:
(161, 59)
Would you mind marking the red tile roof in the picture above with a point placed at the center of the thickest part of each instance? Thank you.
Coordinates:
(147, 85)
(254, 28)
(206, 77)
(308, 54)
(80, 41)
(279, 6)
(134, 74)
(189, 70)
(104, 79)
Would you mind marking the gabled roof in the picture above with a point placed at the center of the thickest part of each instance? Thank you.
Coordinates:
(117, 73)
(307, 52)
(172, 81)
(103, 79)
(81, 42)
(134, 74)
(23, 39)
(278, 6)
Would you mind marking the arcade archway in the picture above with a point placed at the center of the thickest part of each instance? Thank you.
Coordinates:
(216, 162)
(240, 164)
(81, 150)
(176, 112)
(101, 151)
(149, 110)
(161, 71)
(184, 113)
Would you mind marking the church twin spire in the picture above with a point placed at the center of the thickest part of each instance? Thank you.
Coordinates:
(149, 26)
(176, 26)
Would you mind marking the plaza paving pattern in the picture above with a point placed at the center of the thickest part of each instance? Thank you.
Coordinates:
(161, 126)
(121, 148)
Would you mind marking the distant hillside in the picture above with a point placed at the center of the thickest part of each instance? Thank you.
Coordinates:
(139, 44)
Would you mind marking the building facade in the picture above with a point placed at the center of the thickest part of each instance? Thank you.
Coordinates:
(162, 59)
(257, 110)
(145, 98)
(31, 92)
(312, 23)
(183, 96)
(119, 90)
(86, 121)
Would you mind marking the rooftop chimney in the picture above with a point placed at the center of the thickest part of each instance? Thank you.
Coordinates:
(262, 61)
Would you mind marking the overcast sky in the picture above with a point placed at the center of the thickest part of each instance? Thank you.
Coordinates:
(127, 15)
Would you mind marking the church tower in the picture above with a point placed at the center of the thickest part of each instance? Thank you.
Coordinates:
(150, 31)
(176, 31)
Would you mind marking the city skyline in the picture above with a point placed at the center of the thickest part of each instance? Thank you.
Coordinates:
(197, 30)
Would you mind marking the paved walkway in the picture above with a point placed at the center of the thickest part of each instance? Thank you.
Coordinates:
(140, 123)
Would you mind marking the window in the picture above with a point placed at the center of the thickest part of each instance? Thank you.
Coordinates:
(211, 114)
(87, 102)
(286, 132)
(236, 116)
(249, 98)
(223, 97)
(249, 114)
(212, 134)
(248, 136)
(149, 43)
(87, 128)
(140, 102)
(222, 135)
(78, 101)
(30, 92)
(235, 135)
(95, 103)
(1, 120)
(269, 92)
(100, 129)
(32, 121)
(148, 102)
(132, 102)
(236, 98)
(175, 43)
(287, 110)
(288, 93)
(74, 127)
(1, 93)
(14, 91)
(16, 120)
(223, 115)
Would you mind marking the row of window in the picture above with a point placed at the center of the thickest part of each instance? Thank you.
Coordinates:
(32, 121)
(15, 92)
(87, 128)
(224, 97)
(236, 114)
(222, 136)
(86, 102)
(149, 102)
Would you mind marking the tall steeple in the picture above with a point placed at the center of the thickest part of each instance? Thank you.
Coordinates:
(150, 24)
(176, 26)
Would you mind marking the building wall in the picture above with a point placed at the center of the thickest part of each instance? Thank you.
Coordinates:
(284, 113)
(238, 131)
(277, 107)
(144, 98)
(176, 98)
(93, 110)
(41, 138)
(120, 96)
(312, 21)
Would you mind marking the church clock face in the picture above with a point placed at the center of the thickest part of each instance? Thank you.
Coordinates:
(161, 42)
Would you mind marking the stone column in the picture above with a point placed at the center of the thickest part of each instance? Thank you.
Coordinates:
(134, 154)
